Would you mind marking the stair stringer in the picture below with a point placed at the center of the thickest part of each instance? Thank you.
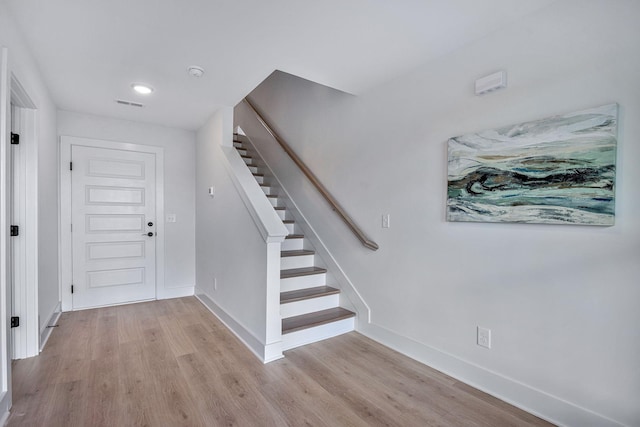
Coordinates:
(349, 297)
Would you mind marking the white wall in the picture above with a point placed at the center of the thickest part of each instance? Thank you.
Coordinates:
(25, 69)
(561, 301)
(179, 185)
(229, 246)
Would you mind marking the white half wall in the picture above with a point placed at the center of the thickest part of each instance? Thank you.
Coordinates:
(179, 186)
(561, 301)
(232, 263)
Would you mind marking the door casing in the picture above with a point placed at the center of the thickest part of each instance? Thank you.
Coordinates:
(26, 338)
(5, 259)
(66, 142)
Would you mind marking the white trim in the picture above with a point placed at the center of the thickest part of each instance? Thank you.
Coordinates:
(19, 95)
(65, 208)
(264, 353)
(178, 292)
(45, 333)
(529, 399)
(264, 216)
(273, 320)
(4, 418)
(5, 262)
(26, 338)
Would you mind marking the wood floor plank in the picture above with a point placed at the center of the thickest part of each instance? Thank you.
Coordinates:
(135, 393)
(175, 336)
(176, 404)
(103, 391)
(219, 408)
(172, 363)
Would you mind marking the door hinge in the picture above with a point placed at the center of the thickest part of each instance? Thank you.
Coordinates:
(15, 138)
(14, 231)
(70, 166)
(71, 288)
(15, 321)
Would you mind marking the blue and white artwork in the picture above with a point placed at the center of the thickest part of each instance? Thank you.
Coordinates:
(559, 170)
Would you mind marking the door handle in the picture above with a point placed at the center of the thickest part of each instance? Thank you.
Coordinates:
(150, 234)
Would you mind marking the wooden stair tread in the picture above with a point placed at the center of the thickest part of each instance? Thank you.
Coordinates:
(295, 236)
(318, 318)
(258, 174)
(288, 221)
(272, 196)
(280, 208)
(297, 252)
(303, 294)
(304, 271)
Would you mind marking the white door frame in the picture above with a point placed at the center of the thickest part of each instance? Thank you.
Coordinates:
(5, 260)
(66, 255)
(25, 338)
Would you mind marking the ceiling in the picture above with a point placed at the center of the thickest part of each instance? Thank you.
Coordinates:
(91, 51)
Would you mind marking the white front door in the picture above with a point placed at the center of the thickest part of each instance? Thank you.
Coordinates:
(113, 226)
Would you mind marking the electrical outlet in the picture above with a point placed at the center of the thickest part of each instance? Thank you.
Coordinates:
(171, 217)
(484, 337)
(386, 221)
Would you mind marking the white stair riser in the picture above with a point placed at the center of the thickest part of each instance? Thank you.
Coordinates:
(267, 190)
(282, 214)
(303, 282)
(291, 228)
(274, 201)
(260, 179)
(253, 169)
(242, 151)
(292, 244)
(319, 333)
(288, 262)
(309, 305)
(238, 145)
(248, 161)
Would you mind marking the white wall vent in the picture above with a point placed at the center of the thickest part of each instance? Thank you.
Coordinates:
(130, 103)
(491, 82)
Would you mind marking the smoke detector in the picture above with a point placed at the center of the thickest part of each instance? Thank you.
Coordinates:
(195, 71)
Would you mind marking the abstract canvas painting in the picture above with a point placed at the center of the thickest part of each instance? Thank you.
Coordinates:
(558, 170)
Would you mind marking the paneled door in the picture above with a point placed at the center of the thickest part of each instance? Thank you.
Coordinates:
(113, 226)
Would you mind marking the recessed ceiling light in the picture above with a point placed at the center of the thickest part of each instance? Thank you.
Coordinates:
(142, 88)
(195, 71)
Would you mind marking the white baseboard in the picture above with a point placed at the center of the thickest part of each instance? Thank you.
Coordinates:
(264, 352)
(183, 291)
(45, 332)
(4, 418)
(536, 402)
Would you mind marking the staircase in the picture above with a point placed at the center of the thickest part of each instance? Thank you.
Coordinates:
(310, 309)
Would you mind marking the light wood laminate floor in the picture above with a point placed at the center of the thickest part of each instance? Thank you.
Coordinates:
(172, 363)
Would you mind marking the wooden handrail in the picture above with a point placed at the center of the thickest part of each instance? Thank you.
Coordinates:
(316, 182)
